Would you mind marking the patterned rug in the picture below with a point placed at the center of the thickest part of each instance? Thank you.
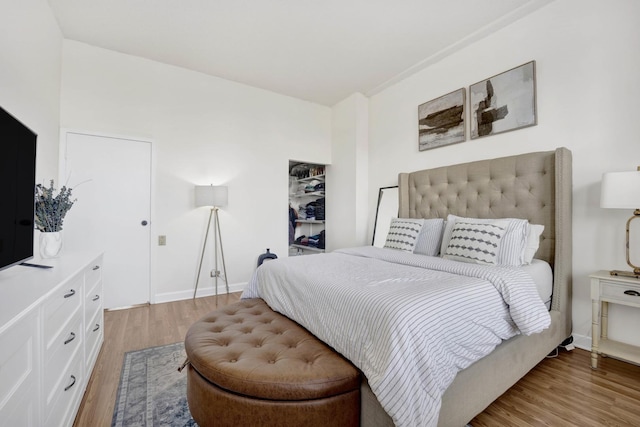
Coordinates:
(152, 392)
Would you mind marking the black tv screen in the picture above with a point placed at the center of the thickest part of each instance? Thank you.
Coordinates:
(17, 180)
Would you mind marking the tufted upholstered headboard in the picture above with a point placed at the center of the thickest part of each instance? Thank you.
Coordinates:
(534, 186)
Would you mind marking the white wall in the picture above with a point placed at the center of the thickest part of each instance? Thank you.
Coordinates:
(30, 54)
(205, 130)
(588, 64)
(347, 177)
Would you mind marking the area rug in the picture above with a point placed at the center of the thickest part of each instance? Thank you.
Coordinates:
(152, 392)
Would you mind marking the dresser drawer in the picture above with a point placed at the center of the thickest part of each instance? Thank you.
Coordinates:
(93, 274)
(93, 339)
(65, 397)
(610, 291)
(19, 373)
(22, 410)
(93, 301)
(57, 357)
(93, 325)
(59, 307)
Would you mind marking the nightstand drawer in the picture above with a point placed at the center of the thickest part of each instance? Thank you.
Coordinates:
(610, 291)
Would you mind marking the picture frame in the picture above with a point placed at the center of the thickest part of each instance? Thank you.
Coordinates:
(504, 102)
(441, 121)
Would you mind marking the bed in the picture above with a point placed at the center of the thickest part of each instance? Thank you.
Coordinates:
(532, 186)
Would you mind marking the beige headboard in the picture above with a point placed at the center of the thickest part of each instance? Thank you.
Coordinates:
(534, 186)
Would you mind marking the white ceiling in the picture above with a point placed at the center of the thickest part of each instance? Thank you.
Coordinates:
(321, 51)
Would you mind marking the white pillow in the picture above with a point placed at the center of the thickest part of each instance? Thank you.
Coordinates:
(403, 234)
(476, 242)
(533, 242)
(513, 245)
(430, 237)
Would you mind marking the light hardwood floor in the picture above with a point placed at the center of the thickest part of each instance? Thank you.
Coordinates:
(562, 391)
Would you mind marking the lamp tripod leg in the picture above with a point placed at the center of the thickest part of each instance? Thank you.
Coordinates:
(216, 273)
(224, 268)
(206, 234)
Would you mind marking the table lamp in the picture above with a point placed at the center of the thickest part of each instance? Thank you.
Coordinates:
(621, 190)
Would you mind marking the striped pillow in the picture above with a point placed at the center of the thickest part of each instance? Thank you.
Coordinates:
(430, 237)
(476, 242)
(403, 234)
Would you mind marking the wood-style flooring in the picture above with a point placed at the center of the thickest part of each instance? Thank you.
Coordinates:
(561, 391)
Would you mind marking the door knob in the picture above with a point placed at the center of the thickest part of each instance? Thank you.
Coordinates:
(144, 222)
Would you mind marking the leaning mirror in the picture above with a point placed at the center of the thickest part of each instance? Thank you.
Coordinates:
(387, 209)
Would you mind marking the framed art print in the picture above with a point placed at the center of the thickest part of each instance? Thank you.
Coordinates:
(504, 102)
(441, 121)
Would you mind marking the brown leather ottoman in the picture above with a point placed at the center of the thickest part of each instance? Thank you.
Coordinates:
(250, 366)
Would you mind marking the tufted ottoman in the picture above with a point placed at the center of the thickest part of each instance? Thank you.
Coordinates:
(250, 366)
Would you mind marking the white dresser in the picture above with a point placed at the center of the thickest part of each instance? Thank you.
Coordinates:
(51, 330)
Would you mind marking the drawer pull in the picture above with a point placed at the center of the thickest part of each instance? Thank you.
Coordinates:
(70, 293)
(96, 298)
(97, 267)
(72, 337)
(73, 381)
(96, 328)
(632, 293)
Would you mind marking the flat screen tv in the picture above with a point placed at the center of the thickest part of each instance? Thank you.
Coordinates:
(17, 184)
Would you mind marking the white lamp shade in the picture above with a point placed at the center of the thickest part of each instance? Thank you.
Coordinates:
(620, 190)
(211, 195)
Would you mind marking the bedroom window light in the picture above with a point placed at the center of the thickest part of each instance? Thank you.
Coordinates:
(213, 197)
(621, 190)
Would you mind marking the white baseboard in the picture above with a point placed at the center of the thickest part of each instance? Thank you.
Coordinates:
(582, 341)
(202, 292)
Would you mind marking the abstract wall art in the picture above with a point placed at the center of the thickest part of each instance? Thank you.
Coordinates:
(441, 121)
(504, 102)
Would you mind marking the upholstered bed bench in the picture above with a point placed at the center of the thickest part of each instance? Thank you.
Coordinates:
(251, 366)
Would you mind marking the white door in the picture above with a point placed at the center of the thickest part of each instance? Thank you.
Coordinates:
(111, 180)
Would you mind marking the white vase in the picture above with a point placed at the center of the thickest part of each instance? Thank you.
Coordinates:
(50, 244)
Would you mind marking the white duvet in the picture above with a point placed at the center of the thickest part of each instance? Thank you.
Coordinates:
(409, 322)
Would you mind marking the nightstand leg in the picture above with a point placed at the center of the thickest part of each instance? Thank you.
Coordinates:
(595, 332)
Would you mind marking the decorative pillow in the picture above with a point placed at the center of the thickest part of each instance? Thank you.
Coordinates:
(476, 242)
(403, 234)
(533, 242)
(430, 237)
(513, 245)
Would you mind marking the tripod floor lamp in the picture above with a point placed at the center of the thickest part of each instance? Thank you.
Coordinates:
(214, 197)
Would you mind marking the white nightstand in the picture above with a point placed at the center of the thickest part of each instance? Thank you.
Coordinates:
(606, 289)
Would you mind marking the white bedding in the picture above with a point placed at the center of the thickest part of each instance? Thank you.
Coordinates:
(542, 275)
(409, 322)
